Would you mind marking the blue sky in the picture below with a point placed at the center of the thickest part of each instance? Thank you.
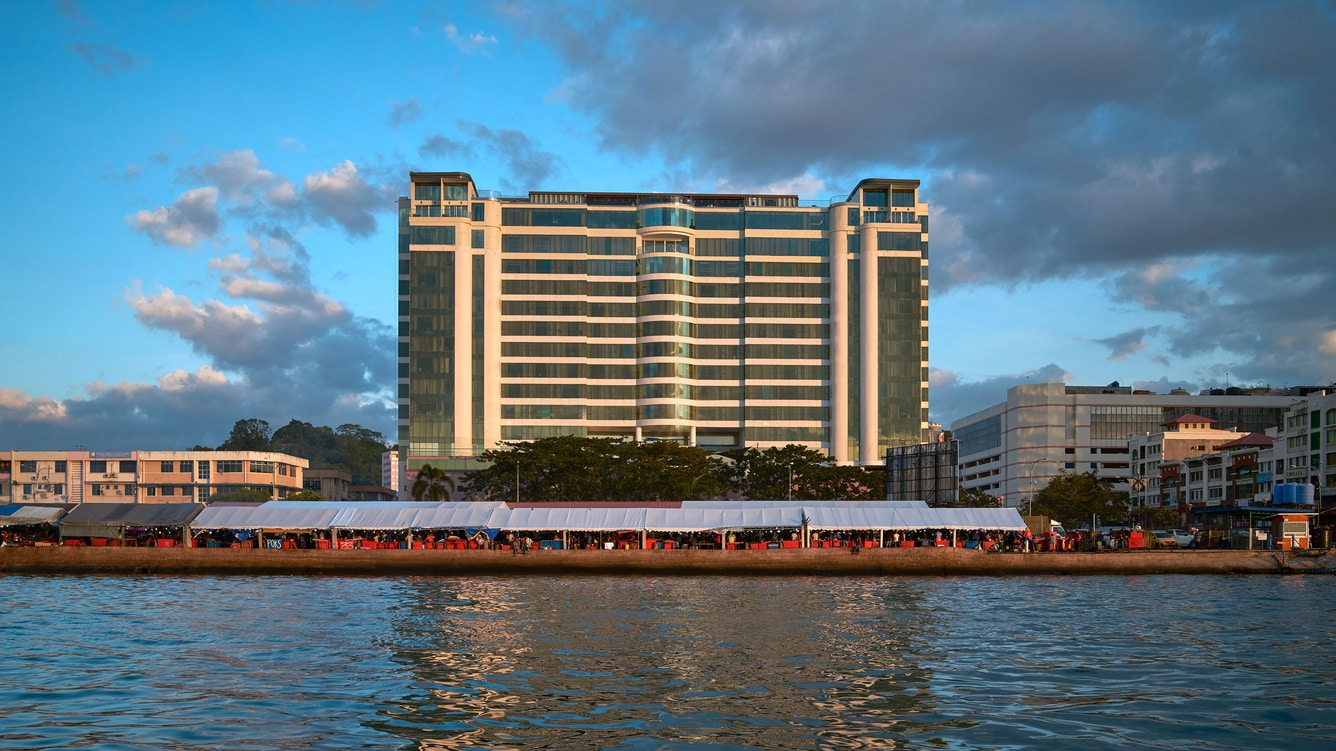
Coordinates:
(197, 219)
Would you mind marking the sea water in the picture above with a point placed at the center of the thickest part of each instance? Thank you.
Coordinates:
(155, 662)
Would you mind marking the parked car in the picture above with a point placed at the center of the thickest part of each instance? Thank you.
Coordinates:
(1183, 538)
(1175, 538)
(1164, 537)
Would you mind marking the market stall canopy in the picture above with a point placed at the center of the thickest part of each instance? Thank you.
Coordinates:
(584, 519)
(384, 516)
(265, 516)
(97, 519)
(14, 515)
(903, 517)
(688, 516)
(458, 516)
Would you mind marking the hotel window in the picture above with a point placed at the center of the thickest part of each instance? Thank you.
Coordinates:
(262, 467)
(226, 466)
(479, 238)
(874, 198)
(97, 489)
(168, 490)
(168, 467)
(431, 235)
(902, 198)
(98, 466)
(456, 192)
(27, 466)
(128, 467)
(150, 491)
(187, 466)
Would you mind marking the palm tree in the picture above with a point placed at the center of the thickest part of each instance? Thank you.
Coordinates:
(432, 483)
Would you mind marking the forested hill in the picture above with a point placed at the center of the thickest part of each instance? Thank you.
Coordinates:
(350, 448)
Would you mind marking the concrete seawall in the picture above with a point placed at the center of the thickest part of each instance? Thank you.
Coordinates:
(784, 562)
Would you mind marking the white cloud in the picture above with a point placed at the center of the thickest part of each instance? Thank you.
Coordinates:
(191, 219)
(469, 43)
(344, 196)
(180, 380)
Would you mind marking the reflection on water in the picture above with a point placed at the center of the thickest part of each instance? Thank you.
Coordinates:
(608, 663)
(667, 663)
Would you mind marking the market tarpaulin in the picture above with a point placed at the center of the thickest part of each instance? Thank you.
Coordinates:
(458, 515)
(98, 519)
(15, 515)
(264, 516)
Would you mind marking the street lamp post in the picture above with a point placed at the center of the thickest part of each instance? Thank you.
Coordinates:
(1030, 501)
(790, 482)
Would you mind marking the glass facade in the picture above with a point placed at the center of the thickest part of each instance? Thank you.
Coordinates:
(607, 314)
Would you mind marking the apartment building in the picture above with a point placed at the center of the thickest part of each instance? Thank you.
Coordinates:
(1190, 463)
(143, 476)
(1042, 430)
(1306, 451)
(716, 320)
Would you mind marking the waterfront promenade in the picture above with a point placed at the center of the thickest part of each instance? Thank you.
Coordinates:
(782, 562)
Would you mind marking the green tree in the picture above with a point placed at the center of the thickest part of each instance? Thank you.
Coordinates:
(1162, 518)
(305, 495)
(781, 473)
(1073, 499)
(580, 468)
(251, 434)
(834, 482)
(240, 495)
(349, 448)
(975, 498)
(433, 484)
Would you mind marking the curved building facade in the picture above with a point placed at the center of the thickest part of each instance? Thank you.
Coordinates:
(722, 321)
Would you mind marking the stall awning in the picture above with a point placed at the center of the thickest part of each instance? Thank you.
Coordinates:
(689, 516)
(265, 517)
(96, 519)
(458, 516)
(14, 515)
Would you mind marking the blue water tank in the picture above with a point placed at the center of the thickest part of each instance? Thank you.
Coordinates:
(1292, 494)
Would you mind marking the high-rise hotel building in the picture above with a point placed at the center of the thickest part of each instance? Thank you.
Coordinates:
(717, 320)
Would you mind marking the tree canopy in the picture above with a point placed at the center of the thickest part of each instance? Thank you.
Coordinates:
(348, 448)
(975, 498)
(432, 484)
(1073, 499)
(577, 468)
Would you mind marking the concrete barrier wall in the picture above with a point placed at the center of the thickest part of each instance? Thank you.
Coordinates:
(783, 562)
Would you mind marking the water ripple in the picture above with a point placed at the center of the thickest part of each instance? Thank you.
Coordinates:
(667, 663)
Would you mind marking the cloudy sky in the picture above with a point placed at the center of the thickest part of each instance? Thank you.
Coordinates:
(197, 198)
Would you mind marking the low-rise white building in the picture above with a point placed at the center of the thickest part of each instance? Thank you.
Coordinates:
(1042, 430)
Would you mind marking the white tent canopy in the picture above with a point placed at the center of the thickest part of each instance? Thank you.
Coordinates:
(266, 517)
(689, 516)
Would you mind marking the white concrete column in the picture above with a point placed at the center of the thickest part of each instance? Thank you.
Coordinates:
(462, 367)
(491, 322)
(868, 315)
(839, 345)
